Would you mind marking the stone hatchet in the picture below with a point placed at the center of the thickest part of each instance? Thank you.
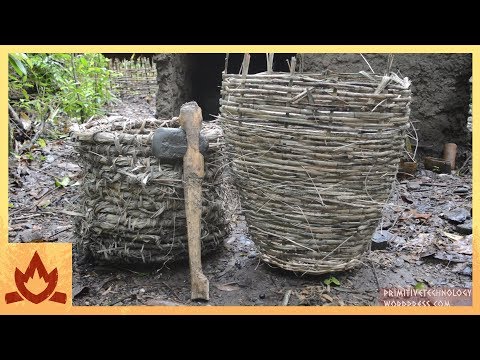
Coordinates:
(187, 142)
(171, 143)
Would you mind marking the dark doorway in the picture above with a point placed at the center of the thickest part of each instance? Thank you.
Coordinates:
(206, 76)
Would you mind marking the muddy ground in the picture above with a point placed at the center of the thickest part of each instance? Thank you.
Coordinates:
(426, 242)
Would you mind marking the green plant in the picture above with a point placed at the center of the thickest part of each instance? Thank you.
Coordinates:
(77, 84)
(62, 183)
(88, 87)
(26, 156)
(42, 143)
(16, 62)
(419, 286)
(331, 280)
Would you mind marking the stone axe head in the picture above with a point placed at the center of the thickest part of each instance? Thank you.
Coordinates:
(171, 143)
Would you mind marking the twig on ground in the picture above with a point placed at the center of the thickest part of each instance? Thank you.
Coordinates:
(286, 298)
(122, 299)
(172, 291)
(464, 164)
(59, 232)
(375, 275)
(30, 143)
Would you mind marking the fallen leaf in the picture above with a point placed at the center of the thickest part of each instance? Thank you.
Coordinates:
(422, 216)
(71, 213)
(453, 236)
(327, 297)
(228, 287)
(453, 257)
(109, 290)
(161, 302)
(411, 259)
(62, 183)
(426, 253)
(406, 199)
(79, 290)
(44, 203)
(415, 214)
(462, 246)
(69, 166)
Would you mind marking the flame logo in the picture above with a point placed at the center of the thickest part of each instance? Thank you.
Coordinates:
(23, 282)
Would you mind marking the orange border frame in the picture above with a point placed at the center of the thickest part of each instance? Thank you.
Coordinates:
(217, 310)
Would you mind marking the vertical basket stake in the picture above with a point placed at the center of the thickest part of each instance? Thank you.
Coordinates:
(245, 65)
(270, 62)
(302, 62)
(226, 63)
(293, 64)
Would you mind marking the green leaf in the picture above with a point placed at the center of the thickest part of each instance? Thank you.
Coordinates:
(335, 281)
(27, 59)
(331, 280)
(10, 205)
(419, 286)
(84, 62)
(25, 94)
(41, 142)
(62, 183)
(17, 64)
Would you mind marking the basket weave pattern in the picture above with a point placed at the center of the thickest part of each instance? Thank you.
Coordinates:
(314, 158)
(133, 204)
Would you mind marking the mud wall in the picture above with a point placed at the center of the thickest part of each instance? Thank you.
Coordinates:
(198, 76)
(174, 83)
(440, 90)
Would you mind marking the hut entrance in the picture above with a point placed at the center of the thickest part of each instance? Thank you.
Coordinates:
(207, 76)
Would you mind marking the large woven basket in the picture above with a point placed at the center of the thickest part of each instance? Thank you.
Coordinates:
(314, 158)
(133, 205)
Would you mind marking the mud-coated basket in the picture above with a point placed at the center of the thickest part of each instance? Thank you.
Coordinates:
(314, 157)
(132, 203)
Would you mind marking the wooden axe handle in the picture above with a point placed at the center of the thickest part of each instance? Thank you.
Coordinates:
(193, 172)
